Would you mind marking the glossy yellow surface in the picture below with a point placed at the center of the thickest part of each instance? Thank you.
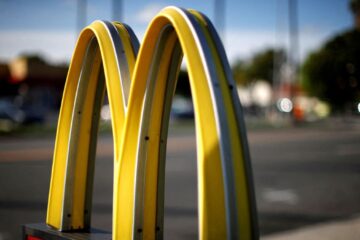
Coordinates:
(112, 76)
(236, 147)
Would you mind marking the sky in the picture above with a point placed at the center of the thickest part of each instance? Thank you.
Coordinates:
(49, 27)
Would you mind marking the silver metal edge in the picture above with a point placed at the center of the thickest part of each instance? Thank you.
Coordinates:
(121, 61)
(241, 126)
(81, 91)
(143, 134)
(169, 93)
(220, 117)
(98, 101)
(134, 40)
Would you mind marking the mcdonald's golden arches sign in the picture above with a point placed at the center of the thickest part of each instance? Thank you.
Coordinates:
(140, 82)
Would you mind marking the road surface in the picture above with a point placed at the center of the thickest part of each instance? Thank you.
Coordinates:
(303, 175)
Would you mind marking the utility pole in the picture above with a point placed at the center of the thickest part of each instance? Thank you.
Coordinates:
(278, 54)
(81, 15)
(117, 10)
(294, 41)
(219, 17)
(286, 67)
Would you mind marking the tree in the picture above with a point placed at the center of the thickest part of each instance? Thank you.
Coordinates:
(239, 70)
(332, 73)
(260, 66)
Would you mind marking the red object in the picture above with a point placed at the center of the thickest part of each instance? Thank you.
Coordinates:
(32, 238)
(298, 113)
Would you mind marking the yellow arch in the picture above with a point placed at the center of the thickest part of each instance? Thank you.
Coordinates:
(226, 199)
(69, 202)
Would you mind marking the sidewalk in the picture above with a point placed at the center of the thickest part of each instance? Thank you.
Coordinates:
(341, 230)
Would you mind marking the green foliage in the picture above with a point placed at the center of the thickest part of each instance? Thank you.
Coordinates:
(333, 72)
(240, 73)
(260, 66)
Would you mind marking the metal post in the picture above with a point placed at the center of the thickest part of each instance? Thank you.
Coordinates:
(117, 10)
(219, 18)
(81, 15)
(294, 41)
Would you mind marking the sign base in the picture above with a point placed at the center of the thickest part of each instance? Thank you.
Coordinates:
(41, 231)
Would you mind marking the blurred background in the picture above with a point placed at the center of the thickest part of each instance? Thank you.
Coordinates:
(297, 69)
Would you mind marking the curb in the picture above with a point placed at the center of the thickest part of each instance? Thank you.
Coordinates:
(348, 229)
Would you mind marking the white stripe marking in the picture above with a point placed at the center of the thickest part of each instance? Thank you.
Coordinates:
(285, 196)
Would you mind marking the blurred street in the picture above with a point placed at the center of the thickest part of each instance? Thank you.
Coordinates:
(303, 175)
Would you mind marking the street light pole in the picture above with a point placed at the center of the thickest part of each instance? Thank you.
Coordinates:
(81, 15)
(219, 17)
(294, 41)
(117, 10)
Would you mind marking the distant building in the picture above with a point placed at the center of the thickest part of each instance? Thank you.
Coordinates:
(34, 71)
(6, 88)
(30, 85)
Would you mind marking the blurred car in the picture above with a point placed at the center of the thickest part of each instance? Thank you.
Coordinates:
(182, 108)
(10, 115)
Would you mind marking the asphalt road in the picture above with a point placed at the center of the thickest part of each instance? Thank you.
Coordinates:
(303, 176)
